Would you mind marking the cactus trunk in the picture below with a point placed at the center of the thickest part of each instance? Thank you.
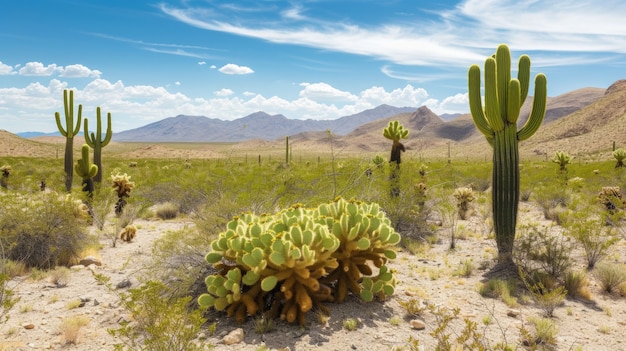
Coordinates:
(505, 191)
(69, 132)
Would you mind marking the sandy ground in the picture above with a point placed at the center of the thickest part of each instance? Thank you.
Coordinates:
(428, 277)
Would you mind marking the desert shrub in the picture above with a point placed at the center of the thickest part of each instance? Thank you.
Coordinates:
(7, 295)
(591, 233)
(70, 328)
(577, 284)
(547, 296)
(42, 231)
(166, 210)
(611, 198)
(186, 197)
(552, 200)
(161, 322)
(539, 250)
(499, 288)
(610, 275)
(544, 336)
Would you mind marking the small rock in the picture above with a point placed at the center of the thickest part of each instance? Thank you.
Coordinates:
(234, 337)
(29, 326)
(77, 267)
(512, 312)
(417, 324)
(124, 284)
(96, 302)
(89, 260)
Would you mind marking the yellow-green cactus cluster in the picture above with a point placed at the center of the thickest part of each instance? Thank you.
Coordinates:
(299, 258)
(464, 197)
(620, 155)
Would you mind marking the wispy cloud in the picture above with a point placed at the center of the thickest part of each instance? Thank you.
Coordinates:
(460, 36)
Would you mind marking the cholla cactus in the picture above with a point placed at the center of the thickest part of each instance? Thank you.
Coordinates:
(464, 196)
(395, 132)
(378, 161)
(286, 264)
(561, 158)
(420, 193)
(122, 186)
(6, 172)
(422, 170)
(620, 155)
(611, 198)
(86, 170)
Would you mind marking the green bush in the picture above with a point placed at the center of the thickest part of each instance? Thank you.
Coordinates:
(43, 230)
(166, 210)
(592, 234)
(539, 250)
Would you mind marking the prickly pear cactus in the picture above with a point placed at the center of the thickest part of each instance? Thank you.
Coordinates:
(290, 258)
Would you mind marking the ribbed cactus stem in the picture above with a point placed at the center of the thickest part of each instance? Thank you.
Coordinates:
(96, 142)
(86, 170)
(69, 132)
(498, 122)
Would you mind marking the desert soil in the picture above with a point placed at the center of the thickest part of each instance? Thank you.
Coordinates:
(427, 277)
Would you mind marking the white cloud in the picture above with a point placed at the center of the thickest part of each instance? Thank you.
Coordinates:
(177, 83)
(224, 92)
(137, 105)
(325, 92)
(213, 67)
(201, 63)
(6, 69)
(232, 68)
(79, 71)
(38, 69)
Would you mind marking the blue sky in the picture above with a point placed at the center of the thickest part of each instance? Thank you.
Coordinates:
(321, 59)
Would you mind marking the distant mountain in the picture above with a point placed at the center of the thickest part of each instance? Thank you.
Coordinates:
(30, 135)
(258, 125)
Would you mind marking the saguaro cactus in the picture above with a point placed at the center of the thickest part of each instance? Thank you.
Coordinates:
(86, 170)
(395, 132)
(69, 132)
(96, 142)
(498, 122)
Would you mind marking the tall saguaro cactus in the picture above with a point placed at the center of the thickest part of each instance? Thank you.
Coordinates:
(498, 122)
(69, 132)
(96, 143)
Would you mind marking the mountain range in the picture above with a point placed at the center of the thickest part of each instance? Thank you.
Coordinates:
(258, 125)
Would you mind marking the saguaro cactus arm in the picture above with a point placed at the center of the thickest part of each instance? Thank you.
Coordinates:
(95, 140)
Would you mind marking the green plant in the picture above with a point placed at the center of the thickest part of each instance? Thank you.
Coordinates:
(544, 335)
(413, 307)
(378, 161)
(620, 155)
(43, 230)
(86, 171)
(395, 132)
(591, 233)
(122, 186)
(6, 172)
(498, 122)
(547, 298)
(7, 295)
(69, 132)
(161, 323)
(350, 324)
(299, 258)
(538, 250)
(464, 197)
(561, 158)
(610, 275)
(96, 142)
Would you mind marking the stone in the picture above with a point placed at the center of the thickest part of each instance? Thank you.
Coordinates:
(29, 326)
(234, 337)
(417, 324)
(89, 260)
(512, 313)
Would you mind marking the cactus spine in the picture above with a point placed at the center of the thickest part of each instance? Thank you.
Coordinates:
(96, 143)
(498, 122)
(86, 170)
(69, 132)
